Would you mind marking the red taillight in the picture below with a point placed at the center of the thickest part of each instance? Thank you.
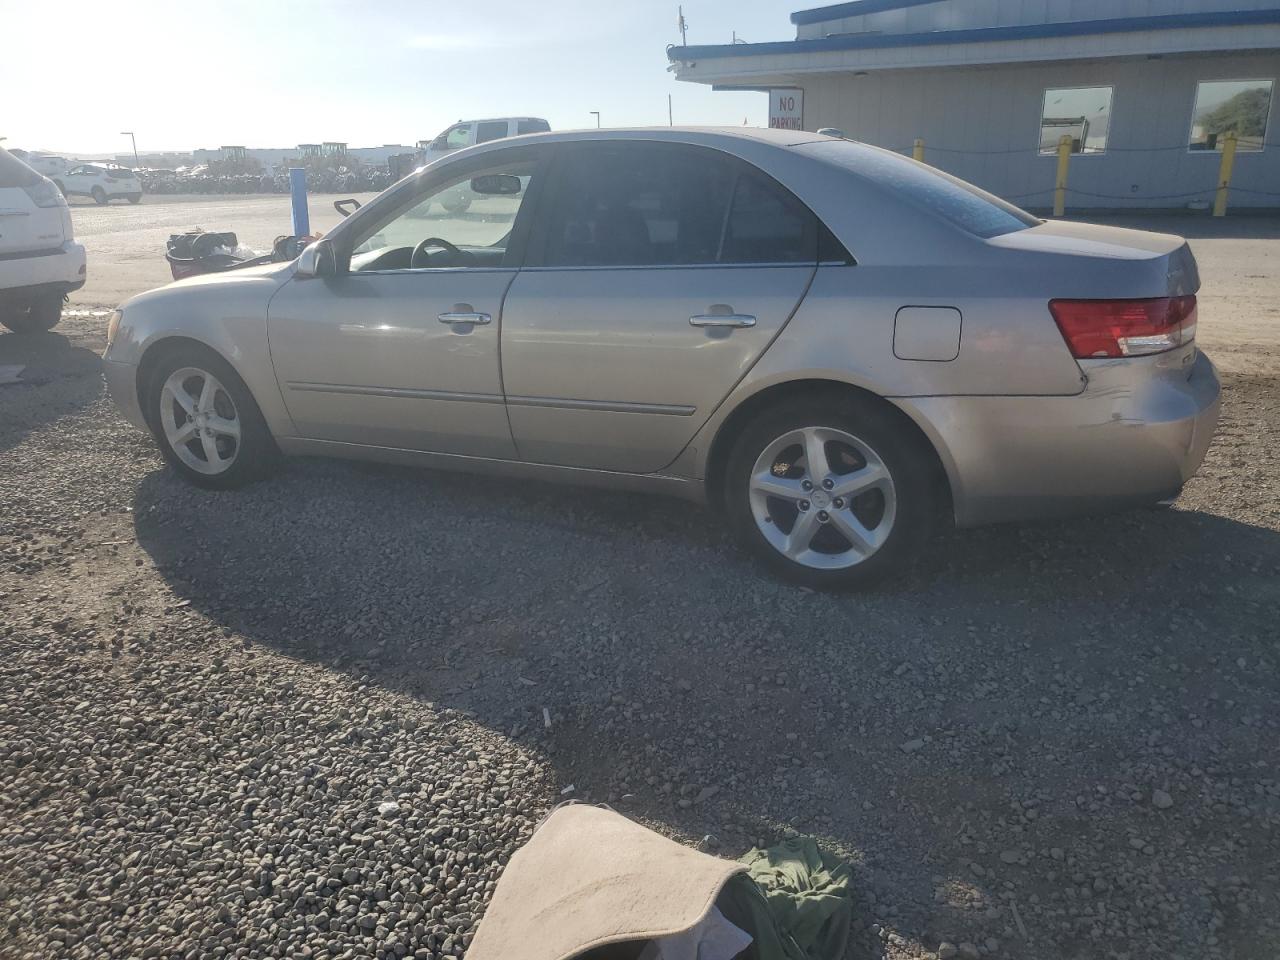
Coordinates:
(1125, 328)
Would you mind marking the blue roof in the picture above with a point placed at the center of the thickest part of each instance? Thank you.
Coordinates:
(1029, 31)
(854, 9)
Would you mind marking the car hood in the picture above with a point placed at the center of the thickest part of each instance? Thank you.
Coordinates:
(268, 276)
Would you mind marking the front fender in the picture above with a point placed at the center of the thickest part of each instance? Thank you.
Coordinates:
(226, 312)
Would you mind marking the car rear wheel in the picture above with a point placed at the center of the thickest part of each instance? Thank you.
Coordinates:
(99, 195)
(206, 422)
(40, 316)
(832, 492)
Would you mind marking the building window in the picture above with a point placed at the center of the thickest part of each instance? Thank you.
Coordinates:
(1226, 106)
(1082, 113)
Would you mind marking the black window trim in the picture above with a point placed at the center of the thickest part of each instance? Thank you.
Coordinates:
(536, 246)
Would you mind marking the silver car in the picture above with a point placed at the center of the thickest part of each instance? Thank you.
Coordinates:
(837, 346)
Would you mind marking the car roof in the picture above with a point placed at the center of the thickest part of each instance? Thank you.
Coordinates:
(781, 138)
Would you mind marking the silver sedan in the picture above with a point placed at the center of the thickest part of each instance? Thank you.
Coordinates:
(835, 345)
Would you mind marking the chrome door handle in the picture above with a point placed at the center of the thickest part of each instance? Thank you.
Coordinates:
(722, 320)
(480, 319)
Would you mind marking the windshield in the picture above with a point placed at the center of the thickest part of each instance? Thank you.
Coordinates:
(960, 203)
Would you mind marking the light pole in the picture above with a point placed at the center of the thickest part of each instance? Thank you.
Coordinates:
(133, 140)
(596, 114)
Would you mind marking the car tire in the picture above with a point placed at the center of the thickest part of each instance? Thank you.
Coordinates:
(195, 433)
(797, 522)
(135, 198)
(39, 317)
(99, 195)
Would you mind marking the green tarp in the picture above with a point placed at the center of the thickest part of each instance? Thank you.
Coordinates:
(794, 899)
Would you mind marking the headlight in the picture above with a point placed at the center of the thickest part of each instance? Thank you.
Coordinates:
(45, 193)
(113, 324)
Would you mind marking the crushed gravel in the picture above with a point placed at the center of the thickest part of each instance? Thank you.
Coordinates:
(313, 718)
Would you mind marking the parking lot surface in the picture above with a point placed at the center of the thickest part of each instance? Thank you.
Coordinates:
(314, 717)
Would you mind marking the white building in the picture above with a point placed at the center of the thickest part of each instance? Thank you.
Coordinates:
(1147, 90)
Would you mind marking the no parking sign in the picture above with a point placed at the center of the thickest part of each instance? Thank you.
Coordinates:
(786, 108)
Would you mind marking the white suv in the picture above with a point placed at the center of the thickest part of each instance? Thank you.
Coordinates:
(467, 133)
(40, 263)
(102, 182)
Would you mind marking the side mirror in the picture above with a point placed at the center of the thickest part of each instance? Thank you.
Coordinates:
(496, 184)
(317, 260)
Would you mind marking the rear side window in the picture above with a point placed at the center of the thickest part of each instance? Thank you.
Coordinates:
(491, 130)
(950, 198)
(767, 225)
(15, 173)
(637, 205)
(532, 125)
(647, 204)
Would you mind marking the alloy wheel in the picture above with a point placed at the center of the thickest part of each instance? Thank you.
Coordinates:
(200, 420)
(822, 498)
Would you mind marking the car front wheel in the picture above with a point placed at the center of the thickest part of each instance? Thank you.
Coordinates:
(206, 422)
(831, 492)
(99, 195)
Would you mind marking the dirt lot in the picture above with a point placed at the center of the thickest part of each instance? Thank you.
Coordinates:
(1049, 741)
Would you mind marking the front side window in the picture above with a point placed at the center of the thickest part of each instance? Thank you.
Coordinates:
(459, 136)
(491, 130)
(464, 221)
(1082, 113)
(1231, 106)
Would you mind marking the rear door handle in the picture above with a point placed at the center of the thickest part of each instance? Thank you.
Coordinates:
(480, 319)
(722, 320)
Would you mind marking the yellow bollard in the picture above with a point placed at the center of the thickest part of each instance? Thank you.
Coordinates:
(917, 151)
(1060, 185)
(1224, 175)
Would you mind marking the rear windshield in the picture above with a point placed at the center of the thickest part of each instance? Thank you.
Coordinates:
(960, 203)
(15, 173)
(532, 126)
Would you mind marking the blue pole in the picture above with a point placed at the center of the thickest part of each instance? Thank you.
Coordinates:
(298, 189)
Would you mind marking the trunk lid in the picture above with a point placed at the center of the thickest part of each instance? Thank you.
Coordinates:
(1090, 261)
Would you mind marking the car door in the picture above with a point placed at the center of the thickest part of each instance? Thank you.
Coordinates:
(657, 275)
(73, 181)
(400, 349)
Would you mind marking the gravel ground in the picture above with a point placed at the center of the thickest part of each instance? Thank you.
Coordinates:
(314, 717)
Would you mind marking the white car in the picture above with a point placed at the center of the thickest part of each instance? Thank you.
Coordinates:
(50, 166)
(102, 182)
(468, 133)
(40, 262)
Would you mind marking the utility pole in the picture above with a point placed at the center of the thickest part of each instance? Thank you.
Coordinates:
(684, 28)
(134, 141)
(670, 121)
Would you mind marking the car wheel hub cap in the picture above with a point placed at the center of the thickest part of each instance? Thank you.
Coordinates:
(822, 498)
(200, 421)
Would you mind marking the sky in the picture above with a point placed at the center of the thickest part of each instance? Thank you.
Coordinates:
(275, 73)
